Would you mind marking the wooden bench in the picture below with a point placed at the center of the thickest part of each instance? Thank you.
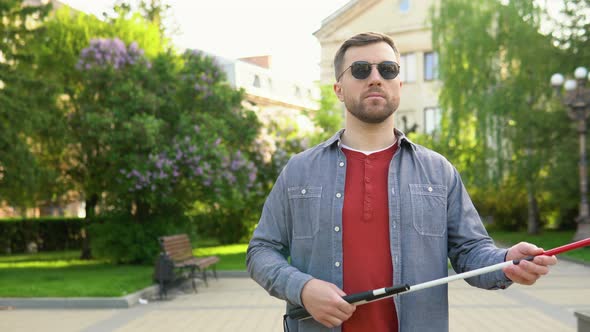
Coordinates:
(177, 253)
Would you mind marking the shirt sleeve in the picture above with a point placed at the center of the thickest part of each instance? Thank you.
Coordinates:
(470, 246)
(268, 251)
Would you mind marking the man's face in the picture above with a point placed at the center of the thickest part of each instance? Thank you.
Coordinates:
(373, 99)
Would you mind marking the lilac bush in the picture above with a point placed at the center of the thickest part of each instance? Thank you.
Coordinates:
(189, 164)
(191, 169)
(167, 135)
(103, 53)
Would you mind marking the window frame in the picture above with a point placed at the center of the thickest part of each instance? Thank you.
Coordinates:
(434, 70)
(437, 119)
(405, 68)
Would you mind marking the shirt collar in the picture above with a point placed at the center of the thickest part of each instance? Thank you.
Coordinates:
(401, 138)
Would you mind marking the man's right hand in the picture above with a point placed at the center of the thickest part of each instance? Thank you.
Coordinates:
(323, 300)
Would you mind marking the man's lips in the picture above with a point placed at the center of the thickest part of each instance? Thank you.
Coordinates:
(374, 95)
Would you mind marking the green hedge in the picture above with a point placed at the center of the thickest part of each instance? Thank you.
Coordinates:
(49, 234)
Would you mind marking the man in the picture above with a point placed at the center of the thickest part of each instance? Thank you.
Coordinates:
(368, 209)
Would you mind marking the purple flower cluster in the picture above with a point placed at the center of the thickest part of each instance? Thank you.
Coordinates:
(185, 161)
(110, 53)
(239, 165)
(205, 78)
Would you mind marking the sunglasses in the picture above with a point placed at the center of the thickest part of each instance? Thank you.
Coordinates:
(362, 69)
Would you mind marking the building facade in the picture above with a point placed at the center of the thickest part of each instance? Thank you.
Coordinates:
(408, 23)
(270, 94)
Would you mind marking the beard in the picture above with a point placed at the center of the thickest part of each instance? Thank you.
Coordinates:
(371, 111)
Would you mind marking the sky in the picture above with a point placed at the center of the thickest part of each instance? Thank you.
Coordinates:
(240, 28)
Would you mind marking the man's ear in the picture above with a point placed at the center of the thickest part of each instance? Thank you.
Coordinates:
(338, 91)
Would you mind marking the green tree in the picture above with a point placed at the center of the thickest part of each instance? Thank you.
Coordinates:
(570, 31)
(57, 51)
(166, 133)
(499, 124)
(329, 117)
(24, 178)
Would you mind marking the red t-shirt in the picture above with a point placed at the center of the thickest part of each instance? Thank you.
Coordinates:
(365, 239)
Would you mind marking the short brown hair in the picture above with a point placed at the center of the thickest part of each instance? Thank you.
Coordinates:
(360, 39)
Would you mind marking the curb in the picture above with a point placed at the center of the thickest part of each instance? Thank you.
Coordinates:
(232, 274)
(122, 302)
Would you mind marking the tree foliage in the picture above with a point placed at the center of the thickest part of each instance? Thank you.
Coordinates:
(329, 117)
(142, 132)
(23, 176)
(501, 125)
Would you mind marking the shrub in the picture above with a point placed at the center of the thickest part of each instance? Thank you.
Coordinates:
(506, 206)
(49, 234)
(122, 239)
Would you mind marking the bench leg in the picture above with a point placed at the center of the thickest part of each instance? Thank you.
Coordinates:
(205, 277)
(215, 272)
(192, 276)
(163, 294)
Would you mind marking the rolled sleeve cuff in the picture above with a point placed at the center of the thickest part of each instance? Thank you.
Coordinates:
(295, 285)
(498, 278)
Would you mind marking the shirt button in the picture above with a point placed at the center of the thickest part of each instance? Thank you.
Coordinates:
(337, 229)
(337, 264)
(429, 189)
(303, 191)
(341, 164)
(338, 195)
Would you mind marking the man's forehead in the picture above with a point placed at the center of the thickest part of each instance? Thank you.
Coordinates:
(375, 52)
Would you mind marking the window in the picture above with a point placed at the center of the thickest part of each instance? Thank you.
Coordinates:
(408, 67)
(430, 66)
(256, 82)
(431, 119)
(404, 6)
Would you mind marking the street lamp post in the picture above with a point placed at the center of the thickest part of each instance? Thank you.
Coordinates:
(577, 99)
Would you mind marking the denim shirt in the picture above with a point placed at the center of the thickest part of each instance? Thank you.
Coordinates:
(431, 217)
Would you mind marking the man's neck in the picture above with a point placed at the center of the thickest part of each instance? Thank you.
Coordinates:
(368, 136)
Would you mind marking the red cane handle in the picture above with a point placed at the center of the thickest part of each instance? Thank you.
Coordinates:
(568, 247)
(558, 250)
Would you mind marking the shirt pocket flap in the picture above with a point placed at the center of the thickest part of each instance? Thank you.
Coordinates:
(428, 190)
(304, 192)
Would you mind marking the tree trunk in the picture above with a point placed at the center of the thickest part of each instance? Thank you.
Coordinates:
(533, 223)
(90, 214)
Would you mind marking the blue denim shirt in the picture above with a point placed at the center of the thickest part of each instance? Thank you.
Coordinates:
(431, 217)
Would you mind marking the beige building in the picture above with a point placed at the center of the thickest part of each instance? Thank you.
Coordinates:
(408, 23)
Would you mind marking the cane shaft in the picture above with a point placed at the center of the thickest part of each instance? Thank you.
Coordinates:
(379, 294)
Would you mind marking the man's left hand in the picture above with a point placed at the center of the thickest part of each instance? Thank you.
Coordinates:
(527, 272)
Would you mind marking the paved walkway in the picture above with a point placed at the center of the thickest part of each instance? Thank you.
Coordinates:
(238, 304)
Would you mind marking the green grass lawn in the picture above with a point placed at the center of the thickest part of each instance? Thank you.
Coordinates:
(232, 256)
(62, 274)
(546, 240)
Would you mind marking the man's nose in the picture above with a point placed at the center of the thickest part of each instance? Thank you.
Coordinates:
(375, 78)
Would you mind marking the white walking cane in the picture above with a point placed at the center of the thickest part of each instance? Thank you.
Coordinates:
(387, 292)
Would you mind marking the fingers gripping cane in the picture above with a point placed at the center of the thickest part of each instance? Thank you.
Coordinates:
(387, 292)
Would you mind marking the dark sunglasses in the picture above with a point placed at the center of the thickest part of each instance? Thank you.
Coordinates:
(362, 69)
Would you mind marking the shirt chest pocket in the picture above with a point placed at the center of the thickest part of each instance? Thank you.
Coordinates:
(429, 208)
(304, 204)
